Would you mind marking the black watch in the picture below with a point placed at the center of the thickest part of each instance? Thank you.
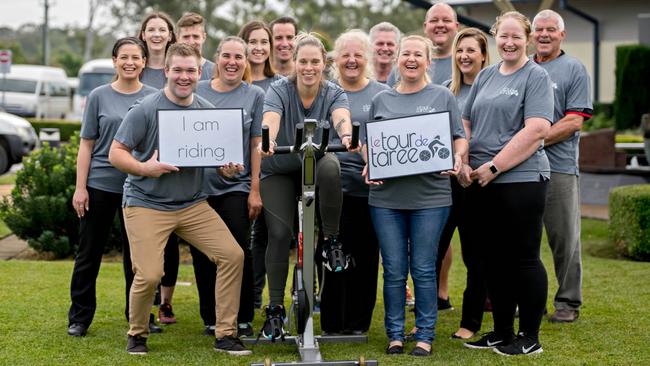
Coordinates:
(493, 168)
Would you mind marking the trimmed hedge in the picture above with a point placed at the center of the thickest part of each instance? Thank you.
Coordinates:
(632, 92)
(67, 128)
(629, 220)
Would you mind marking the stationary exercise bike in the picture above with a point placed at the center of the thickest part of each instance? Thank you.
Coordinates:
(302, 294)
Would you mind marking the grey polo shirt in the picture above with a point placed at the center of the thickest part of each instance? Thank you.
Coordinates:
(139, 132)
(155, 78)
(572, 95)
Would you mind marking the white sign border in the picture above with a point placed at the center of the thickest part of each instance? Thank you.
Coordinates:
(240, 130)
(451, 147)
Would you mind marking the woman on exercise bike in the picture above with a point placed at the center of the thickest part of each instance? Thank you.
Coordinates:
(289, 101)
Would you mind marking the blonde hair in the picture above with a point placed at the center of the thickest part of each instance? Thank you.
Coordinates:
(353, 35)
(307, 39)
(429, 52)
(522, 19)
(456, 74)
(247, 77)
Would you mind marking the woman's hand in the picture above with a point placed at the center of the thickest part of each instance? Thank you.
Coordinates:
(266, 154)
(254, 204)
(483, 175)
(464, 177)
(347, 142)
(230, 170)
(80, 201)
(458, 165)
(364, 173)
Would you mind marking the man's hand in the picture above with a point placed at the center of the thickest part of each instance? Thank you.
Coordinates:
(154, 169)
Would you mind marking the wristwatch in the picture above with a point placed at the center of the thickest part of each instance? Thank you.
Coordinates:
(493, 168)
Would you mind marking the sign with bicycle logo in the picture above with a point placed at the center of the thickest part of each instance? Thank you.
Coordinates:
(409, 145)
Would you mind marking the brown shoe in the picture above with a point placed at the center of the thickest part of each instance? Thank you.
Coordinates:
(564, 316)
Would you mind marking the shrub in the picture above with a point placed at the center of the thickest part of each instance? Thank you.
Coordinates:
(598, 122)
(39, 208)
(629, 220)
(605, 108)
(632, 92)
(66, 128)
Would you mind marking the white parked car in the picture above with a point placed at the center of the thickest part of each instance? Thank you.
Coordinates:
(36, 91)
(17, 139)
(91, 75)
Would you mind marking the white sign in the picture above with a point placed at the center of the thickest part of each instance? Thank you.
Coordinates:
(409, 146)
(201, 137)
(5, 61)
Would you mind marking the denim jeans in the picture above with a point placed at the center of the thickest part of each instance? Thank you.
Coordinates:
(408, 239)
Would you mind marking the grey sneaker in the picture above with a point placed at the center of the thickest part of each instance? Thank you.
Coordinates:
(232, 346)
(564, 316)
(137, 345)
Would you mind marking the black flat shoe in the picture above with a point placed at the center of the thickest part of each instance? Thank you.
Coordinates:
(419, 351)
(396, 349)
(77, 330)
(153, 327)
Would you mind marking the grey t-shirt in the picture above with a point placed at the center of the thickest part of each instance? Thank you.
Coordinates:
(207, 69)
(139, 132)
(571, 88)
(497, 107)
(282, 97)
(461, 98)
(153, 77)
(105, 109)
(424, 190)
(251, 99)
(265, 83)
(439, 72)
(352, 164)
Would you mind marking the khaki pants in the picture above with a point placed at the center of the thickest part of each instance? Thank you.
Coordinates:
(199, 225)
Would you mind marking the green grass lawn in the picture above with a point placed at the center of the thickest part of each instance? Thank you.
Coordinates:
(613, 329)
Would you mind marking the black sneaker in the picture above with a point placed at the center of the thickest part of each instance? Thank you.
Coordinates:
(245, 330)
(273, 326)
(137, 345)
(153, 327)
(77, 330)
(489, 340)
(335, 259)
(444, 304)
(209, 330)
(522, 345)
(232, 346)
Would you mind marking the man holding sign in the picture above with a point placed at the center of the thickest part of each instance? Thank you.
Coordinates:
(160, 199)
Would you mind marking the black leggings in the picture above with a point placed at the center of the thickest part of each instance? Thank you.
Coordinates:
(279, 194)
(233, 209)
(505, 220)
(476, 288)
(348, 298)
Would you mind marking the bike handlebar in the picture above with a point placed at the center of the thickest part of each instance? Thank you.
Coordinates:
(299, 136)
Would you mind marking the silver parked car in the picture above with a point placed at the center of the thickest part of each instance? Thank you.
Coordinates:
(17, 139)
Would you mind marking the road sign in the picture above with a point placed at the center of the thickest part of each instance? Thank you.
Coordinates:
(5, 61)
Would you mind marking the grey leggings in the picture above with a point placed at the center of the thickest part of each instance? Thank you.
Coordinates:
(279, 194)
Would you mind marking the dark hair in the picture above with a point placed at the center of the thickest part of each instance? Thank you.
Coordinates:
(129, 40)
(189, 20)
(245, 34)
(285, 20)
(126, 41)
(160, 15)
(183, 50)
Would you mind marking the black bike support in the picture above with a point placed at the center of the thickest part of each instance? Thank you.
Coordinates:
(308, 343)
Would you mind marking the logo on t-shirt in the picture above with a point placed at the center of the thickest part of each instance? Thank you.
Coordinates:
(554, 85)
(365, 107)
(509, 91)
(424, 109)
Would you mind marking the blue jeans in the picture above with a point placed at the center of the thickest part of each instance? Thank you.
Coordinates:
(409, 238)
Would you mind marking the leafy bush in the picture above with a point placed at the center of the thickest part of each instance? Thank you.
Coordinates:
(67, 128)
(605, 108)
(632, 92)
(39, 208)
(629, 220)
(598, 122)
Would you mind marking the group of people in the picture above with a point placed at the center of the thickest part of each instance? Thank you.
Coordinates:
(514, 126)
